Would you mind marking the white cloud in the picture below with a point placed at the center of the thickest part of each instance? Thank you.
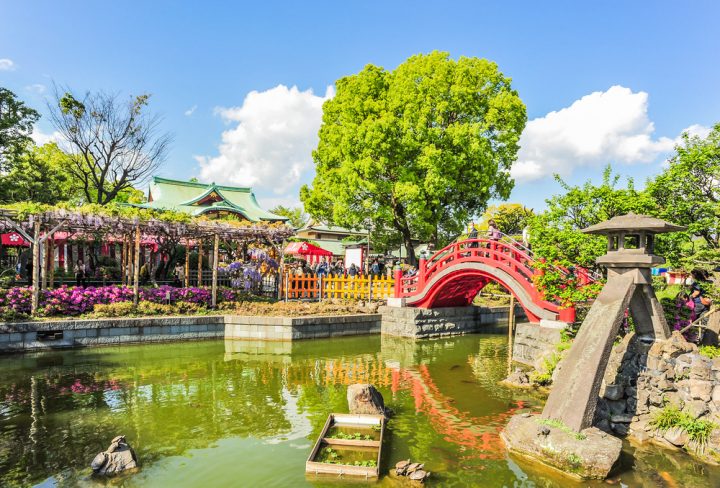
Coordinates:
(600, 128)
(37, 88)
(698, 130)
(271, 143)
(191, 110)
(6, 64)
(41, 137)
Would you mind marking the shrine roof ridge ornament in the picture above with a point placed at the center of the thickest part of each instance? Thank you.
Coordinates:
(634, 223)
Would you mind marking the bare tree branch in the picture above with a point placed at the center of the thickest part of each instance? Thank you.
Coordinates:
(114, 144)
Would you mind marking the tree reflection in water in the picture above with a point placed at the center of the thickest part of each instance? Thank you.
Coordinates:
(58, 409)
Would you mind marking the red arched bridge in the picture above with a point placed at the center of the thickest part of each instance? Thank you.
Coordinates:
(453, 276)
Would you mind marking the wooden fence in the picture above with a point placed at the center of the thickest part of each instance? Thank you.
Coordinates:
(313, 287)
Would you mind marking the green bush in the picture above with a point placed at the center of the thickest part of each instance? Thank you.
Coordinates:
(118, 309)
(698, 430)
(710, 351)
(152, 308)
(9, 314)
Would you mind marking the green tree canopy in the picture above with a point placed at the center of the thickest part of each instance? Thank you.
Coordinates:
(16, 125)
(297, 215)
(511, 218)
(417, 150)
(687, 192)
(40, 175)
(555, 233)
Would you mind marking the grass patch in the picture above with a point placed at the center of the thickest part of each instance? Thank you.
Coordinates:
(711, 352)
(671, 417)
(561, 426)
(549, 365)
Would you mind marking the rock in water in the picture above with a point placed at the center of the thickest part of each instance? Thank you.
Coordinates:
(365, 399)
(117, 458)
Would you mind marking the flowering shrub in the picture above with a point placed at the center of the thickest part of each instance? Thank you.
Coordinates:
(72, 301)
(564, 288)
(248, 275)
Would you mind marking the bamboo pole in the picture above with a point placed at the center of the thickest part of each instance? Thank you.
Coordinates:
(216, 250)
(136, 267)
(199, 266)
(187, 264)
(511, 331)
(35, 303)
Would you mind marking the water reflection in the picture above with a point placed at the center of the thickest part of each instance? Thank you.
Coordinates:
(218, 410)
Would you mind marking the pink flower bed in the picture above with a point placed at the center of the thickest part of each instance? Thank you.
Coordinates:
(78, 300)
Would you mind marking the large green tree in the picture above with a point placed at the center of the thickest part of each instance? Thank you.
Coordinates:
(16, 125)
(40, 175)
(417, 150)
(687, 192)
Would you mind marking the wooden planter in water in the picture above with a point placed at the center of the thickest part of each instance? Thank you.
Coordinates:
(367, 449)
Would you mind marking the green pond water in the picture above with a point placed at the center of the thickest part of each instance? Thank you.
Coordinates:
(238, 413)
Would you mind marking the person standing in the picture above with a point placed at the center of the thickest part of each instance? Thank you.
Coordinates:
(697, 291)
(80, 273)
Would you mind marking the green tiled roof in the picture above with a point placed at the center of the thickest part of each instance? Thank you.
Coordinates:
(335, 247)
(184, 196)
(331, 229)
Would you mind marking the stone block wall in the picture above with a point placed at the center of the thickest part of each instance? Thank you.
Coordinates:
(533, 341)
(29, 336)
(423, 323)
(296, 328)
(643, 378)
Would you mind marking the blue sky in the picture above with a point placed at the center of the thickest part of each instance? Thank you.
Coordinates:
(630, 75)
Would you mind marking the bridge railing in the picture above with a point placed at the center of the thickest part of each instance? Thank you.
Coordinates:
(498, 254)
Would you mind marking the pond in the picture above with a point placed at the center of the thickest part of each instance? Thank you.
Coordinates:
(240, 413)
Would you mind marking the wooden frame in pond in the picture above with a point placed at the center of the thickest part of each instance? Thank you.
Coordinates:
(348, 420)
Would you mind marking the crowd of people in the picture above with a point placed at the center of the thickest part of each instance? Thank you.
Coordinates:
(378, 268)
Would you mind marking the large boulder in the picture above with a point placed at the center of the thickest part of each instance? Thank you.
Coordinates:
(365, 399)
(589, 454)
(117, 458)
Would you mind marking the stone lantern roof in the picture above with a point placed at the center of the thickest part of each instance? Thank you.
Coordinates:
(631, 240)
(633, 223)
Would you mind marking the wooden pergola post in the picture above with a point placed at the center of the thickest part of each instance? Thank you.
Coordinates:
(44, 253)
(51, 258)
(216, 249)
(136, 267)
(35, 303)
(123, 262)
(187, 264)
(199, 267)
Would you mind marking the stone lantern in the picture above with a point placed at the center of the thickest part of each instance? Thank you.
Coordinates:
(631, 241)
(576, 386)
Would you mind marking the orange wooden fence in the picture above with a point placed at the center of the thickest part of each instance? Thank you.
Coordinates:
(314, 287)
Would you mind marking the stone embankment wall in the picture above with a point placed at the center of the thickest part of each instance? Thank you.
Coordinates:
(423, 323)
(642, 379)
(408, 322)
(535, 341)
(29, 336)
(296, 328)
